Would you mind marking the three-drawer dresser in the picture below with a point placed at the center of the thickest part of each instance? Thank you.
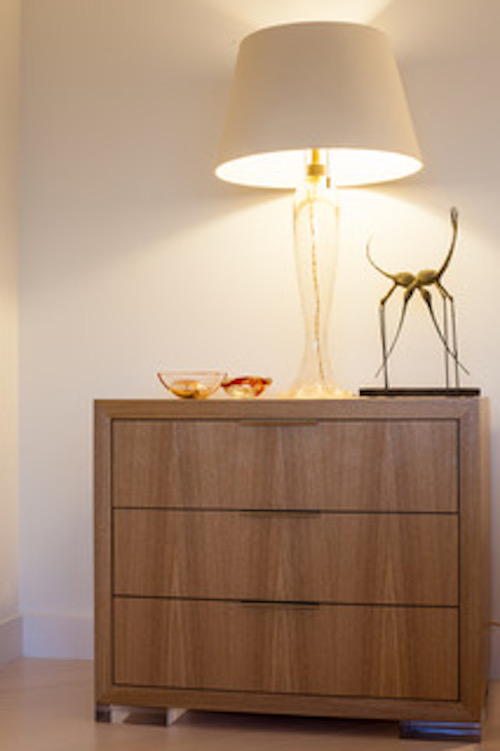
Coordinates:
(325, 558)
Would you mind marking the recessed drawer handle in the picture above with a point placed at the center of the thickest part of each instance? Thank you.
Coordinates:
(280, 605)
(277, 513)
(277, 423)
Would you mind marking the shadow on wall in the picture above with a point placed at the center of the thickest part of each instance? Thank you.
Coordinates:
(442, 50)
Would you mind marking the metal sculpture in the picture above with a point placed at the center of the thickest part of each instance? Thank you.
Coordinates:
(422, 281)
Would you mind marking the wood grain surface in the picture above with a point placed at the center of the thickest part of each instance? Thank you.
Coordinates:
(351, 558)
(408, 465)
(350, 651)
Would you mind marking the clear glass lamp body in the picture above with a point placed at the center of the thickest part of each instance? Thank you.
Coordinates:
(316, 242)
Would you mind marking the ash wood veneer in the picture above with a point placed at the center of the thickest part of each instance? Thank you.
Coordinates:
(322, 558)
(287, 648)
(343, 558)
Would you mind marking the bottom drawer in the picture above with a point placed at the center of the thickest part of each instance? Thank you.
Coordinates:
(372, 651)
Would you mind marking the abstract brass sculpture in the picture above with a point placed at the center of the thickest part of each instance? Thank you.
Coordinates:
(422, 281)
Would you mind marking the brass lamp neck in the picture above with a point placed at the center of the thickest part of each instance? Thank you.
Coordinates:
(315, 168)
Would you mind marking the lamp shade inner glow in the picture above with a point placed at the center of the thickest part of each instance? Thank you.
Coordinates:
(330, 86)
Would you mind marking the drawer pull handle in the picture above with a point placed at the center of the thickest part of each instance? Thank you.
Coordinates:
(277, 423)
(280, 605)
(277, 513)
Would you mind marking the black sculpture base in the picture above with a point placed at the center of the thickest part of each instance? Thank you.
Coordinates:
(369, 391)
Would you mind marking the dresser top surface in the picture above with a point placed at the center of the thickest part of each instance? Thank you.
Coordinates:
(292, 409)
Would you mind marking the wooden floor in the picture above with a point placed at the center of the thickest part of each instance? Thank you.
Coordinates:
(47, 705)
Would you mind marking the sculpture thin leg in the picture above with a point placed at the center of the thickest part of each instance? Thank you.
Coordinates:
(383, 339)
(453, 349)
(455, 341)
(446, 338)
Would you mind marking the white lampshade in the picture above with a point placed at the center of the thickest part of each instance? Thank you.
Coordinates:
(332, 86)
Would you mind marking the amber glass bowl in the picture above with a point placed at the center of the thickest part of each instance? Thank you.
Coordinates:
(192, 384)
(246, 387)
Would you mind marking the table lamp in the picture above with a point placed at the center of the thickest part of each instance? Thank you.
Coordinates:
(316, 106)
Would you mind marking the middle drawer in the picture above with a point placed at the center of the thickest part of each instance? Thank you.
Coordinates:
(280, 556)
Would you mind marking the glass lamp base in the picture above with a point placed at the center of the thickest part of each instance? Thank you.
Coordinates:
(316, 391)
(316, 241)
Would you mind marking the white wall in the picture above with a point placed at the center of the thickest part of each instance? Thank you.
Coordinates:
(135, 257)
(9, 89)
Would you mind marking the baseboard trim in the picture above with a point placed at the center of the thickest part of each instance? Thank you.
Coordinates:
(65, 637)
(11, 640)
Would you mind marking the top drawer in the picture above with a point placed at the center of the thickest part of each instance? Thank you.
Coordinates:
(362, 465)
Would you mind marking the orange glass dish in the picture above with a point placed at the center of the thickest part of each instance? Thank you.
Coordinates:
(246, 387)
(192, 384)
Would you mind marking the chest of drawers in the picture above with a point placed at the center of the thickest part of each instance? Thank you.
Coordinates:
(305, 557)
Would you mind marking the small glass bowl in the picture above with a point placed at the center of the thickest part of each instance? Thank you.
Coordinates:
(192, 384)
(246, 387)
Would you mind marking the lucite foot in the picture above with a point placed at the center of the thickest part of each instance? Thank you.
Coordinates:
(441, 731)
(137, 715)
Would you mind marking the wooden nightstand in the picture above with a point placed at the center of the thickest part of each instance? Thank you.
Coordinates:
(299, 557)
